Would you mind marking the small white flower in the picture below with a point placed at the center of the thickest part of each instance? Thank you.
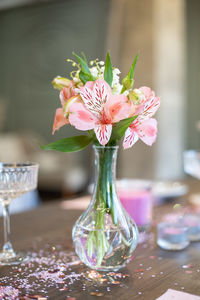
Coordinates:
(140, 94)
(76, 90)
(75, 79)
(102, 69)
(101, 63)
(94, 71)
(116, 89)
(116, 71)
(116, 79)
(126, 92)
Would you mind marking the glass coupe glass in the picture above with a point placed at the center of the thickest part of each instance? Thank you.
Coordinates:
(15, 179)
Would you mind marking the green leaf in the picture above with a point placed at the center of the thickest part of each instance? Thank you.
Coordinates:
(72, 144)
(108, 72)
(84, 57)
(132, 69)
(128, 80)
(84, 77)
(84, 68)
(120, 128)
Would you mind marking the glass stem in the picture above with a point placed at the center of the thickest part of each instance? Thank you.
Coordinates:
(7, 247)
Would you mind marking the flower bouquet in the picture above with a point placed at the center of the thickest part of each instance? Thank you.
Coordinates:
(95, 101)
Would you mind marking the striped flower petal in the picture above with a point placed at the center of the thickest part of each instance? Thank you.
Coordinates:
(103, 133)
(130, 138)
(95, 98)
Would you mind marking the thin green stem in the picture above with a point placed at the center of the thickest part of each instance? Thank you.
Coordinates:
(105, 194)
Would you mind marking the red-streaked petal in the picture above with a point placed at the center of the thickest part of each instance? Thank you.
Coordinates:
(81, 118)
(130, 138)
(150, 108)
(102, 91)
(103, 133)
(95, 98)
(147, 131)
(59, 120)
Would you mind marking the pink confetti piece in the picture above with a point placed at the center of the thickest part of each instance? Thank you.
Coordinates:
(188, 272)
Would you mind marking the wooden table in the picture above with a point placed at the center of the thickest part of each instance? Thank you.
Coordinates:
(147, 276)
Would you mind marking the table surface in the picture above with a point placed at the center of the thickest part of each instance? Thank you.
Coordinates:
(46, 232)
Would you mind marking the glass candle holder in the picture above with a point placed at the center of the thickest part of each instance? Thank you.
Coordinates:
(136, 197)
(189, 220)
(172, 236)
(193, 223)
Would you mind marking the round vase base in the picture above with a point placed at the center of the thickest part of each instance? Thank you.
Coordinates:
(17, 258)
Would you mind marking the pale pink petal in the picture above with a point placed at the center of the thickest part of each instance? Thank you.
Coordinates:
(130, 138)
(89, 85)
(149, 104)
(95, 98)
(59, 120)
(87, 96)
(117, 108)
(102, 91)
(147, 131)
(65, 94)
(148, 93)
(103, 133)
(150, 108)
(139, 109)
(81, 118)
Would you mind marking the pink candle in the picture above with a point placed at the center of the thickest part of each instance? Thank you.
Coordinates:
(138, 204)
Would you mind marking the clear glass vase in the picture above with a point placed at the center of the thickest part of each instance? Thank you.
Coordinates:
(105, 236)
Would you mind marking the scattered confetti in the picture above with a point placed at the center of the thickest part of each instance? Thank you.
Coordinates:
(97, 294)
(57, 267)
(139, 270)
(8, 292)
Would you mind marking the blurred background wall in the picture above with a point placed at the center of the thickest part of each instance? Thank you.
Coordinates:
(36, 37)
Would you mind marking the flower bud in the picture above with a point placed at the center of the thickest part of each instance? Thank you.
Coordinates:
(136, 96)
(60, 82)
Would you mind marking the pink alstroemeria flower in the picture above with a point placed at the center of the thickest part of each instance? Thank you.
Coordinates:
(99, 110)
(144, 127)
(60, 118)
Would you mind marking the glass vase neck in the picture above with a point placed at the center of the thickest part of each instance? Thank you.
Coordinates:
(105, 194)
(105, 162)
